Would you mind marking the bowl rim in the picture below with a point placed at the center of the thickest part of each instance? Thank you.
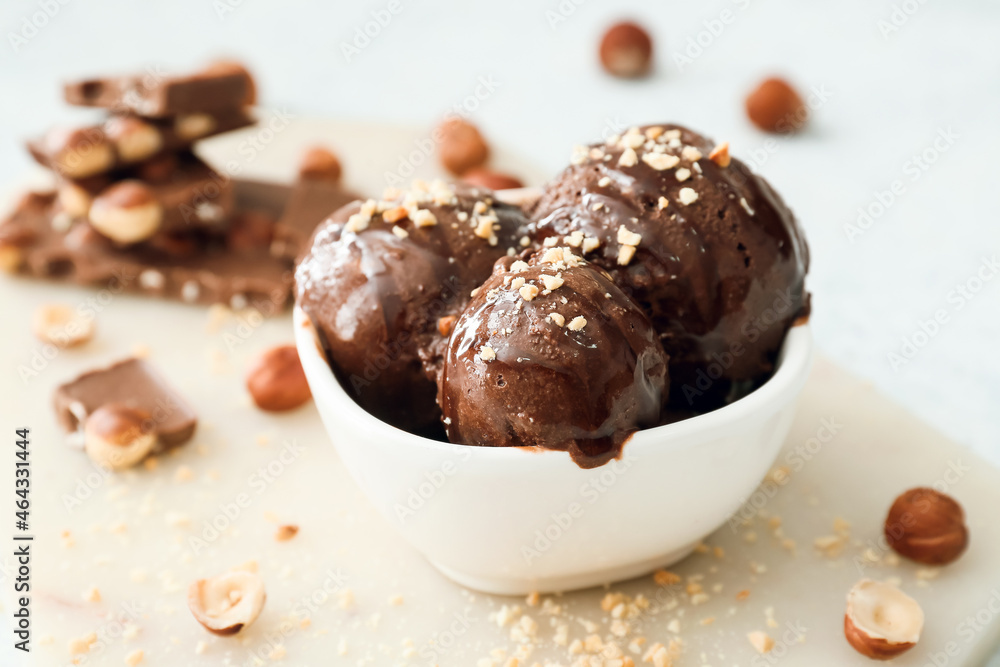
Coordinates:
(792, 367)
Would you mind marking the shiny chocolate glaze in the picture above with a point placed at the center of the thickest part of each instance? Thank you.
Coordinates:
(721, 277)
(517, 375)
(381, 298)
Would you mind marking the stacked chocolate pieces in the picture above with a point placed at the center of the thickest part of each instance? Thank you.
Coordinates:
(134, 209)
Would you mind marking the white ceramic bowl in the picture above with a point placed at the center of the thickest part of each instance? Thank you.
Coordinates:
(512, 520)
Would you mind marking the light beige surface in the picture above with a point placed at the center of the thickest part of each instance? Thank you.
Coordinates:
(141, 537)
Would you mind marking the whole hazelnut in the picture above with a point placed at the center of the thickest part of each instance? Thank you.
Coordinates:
(118, 436)
(774, 106)
(61, 325)
(227, 603)
(491, 180)
(881, 621)
(276, 381)
(74, 199)
(927, 526)
(126, 212)
(626, 50)
(320, 164)
(79, 153)
(193, 125)
(460, 146)
(135, 139)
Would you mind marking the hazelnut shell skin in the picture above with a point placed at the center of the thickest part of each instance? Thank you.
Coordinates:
(927, 526)
(775, 106)
(626, 51)
(276, 381)
(872, 647)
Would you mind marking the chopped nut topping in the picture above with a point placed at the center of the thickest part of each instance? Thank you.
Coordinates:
(395, 214)
(720, 155)
(424, 218)
(552, 282)
(577, 323)
(557, 319)
(487, 353)
(518, 266)
(604, 182)
(525, 241)
(628, 158)
(683, 174)
(691, 154)
(357, 223)
(665, 578)
(597, 207)
(745, 205)
(590, 244)
(625, 254)
(551, 241)
(653, 132)
(627, 237)
(579, 155)
(633, 138)
(687, 196)
(517, 283)
(400, 232)
(660, 161)
(528, 292)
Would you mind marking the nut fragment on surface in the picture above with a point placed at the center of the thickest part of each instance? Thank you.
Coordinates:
(760, 641)
(881, 621)
(626, 50)
(276, 380)
(227, 603)
(487, 353)
(118, 436)
(61, 325)
(577, 323)
(126, 212)
(286, 532)
(927, 526)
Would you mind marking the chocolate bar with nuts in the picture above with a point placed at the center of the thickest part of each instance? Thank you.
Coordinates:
(133, 383)
(218, 87)
(236, 267)
(126, 140)
(170, 194)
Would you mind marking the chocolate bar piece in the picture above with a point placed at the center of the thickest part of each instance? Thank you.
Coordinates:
(204, 269)
(218, 87)
(170, 194)
(316, 195)
(135, 384)
(126, 140)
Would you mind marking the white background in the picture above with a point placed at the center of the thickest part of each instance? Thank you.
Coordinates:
(887, 95)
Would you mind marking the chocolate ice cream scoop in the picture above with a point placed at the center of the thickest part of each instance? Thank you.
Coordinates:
(703, 244)
(384, 280)
(550, 353)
